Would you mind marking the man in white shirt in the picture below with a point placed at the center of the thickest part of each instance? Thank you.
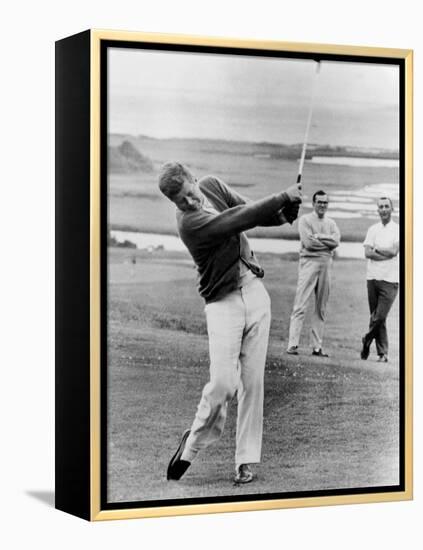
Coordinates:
(319, 237)
(381, 248)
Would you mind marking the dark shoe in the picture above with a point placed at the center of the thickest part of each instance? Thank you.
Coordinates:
(365, 350)
(292, 350)
(382, 358)
(319, 353)
(178, 467)
(243, 474)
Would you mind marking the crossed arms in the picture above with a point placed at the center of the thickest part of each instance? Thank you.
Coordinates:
(315, 242)
(381, 254)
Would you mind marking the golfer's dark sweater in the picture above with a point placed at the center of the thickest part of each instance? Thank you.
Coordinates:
(216, 242)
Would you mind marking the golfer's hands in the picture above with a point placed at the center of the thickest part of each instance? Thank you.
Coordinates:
(290, 211)
(294, 193)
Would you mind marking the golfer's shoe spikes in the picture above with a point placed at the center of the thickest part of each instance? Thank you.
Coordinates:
(177, 467)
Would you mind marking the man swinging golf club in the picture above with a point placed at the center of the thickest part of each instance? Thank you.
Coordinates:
(211, 219)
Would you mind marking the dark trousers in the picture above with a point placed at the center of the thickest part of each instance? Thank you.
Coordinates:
(381, 295)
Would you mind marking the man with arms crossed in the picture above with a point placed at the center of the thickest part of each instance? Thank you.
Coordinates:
(211, 219)
(381, 248)
(319, 237)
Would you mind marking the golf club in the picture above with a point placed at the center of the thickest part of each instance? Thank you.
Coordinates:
(310, 113)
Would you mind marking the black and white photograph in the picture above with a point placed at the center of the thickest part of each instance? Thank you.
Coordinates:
(165, 161)
(253, 300)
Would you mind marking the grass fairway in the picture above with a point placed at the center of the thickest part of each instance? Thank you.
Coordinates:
(328, 423)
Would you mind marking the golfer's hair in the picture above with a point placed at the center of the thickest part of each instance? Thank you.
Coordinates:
(171, 178)
(386, 199)
(318, 193)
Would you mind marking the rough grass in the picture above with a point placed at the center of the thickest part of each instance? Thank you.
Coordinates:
(328, 423)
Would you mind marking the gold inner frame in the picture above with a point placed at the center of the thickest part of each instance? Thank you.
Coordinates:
(95, 277)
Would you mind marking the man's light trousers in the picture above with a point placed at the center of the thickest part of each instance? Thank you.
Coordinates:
(238, 328)
(313, 277)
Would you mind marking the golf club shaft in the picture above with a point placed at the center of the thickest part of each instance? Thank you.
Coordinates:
(310, 113)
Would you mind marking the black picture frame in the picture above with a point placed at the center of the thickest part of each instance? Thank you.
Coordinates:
(81, 276)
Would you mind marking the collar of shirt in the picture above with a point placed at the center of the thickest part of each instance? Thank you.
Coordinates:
(313, 212)
(386, 224)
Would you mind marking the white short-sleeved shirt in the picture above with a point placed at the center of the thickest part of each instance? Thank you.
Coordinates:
(383, 236)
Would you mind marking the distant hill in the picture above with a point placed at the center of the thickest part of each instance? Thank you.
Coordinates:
(259, 149)
(125, 158)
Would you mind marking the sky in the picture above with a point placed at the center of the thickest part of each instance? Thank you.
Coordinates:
(170, 94)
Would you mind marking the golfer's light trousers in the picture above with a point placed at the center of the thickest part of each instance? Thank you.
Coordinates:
(313, 276)
(238, 328)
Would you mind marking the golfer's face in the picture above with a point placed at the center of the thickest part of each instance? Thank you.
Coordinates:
(385, 209)
(189, 197)
(321, 205)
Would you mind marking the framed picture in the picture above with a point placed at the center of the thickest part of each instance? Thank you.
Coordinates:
(233, 275)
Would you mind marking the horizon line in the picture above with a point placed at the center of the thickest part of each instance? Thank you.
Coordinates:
(261, 142)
